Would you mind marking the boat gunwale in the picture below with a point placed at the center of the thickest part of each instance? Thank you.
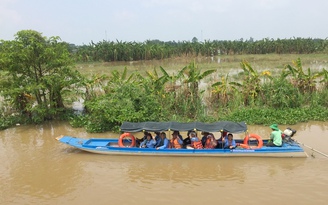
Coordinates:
(84, 144)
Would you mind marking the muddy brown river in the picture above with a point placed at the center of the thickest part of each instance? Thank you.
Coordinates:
(37, 169)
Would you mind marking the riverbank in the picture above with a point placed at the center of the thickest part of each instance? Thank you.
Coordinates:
(194, 92)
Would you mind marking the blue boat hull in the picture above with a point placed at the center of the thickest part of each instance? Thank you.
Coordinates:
(110, 146)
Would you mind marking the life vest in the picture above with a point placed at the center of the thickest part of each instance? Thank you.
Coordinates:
(175, 144)
(197, 144)
(210, 142)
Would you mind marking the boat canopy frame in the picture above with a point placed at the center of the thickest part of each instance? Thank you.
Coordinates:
(227, 126)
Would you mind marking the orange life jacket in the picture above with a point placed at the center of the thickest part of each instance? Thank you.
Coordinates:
(175, 144)
(197, 145)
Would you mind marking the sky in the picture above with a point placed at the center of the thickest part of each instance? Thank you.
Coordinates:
(82, 21)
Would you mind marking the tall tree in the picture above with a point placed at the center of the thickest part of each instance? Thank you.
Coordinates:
(35, 73)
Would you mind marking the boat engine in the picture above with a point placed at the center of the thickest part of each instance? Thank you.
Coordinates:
(288, 134)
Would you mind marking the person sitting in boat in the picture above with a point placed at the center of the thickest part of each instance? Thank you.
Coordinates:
(211, 142)
(223, 137)
(195, 142)
(164, 142)
(149, 142)
(187, 140)
(176, 141)
(204, 138)
(157, 137)
(229, 143)
(179, 135)
(139, 141)
(275, 137)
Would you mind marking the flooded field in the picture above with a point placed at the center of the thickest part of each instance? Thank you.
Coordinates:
(223, 64)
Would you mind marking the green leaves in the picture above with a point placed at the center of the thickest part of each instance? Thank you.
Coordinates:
(37, 81)
(224, 91)
(38, 67)
(155, 49)
(265, 116)
(129, 102)
(305, 82)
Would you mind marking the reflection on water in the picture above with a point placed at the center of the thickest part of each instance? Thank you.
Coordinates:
(188, 170)
(184, 170)
(37, 169)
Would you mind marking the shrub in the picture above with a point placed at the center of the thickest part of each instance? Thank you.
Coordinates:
(129, 102)
(280, 93)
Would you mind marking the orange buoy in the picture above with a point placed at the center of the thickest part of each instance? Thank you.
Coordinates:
(127, 135)
(253, 136)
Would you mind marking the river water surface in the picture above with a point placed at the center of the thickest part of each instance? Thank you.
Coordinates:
(37, 169)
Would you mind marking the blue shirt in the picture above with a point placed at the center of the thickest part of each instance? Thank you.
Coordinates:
(148, 143)
(165, 144)
(227, 145)
(194, 139)
(180, 141)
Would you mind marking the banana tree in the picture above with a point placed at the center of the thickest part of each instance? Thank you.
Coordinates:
(251, 83)
(305, 82)
(193, 76)
(224, 90)
(117, 79)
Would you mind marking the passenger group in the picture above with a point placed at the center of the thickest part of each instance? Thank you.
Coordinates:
(207, 141)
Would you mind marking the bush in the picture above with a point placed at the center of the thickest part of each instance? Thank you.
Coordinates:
(280, 94)
(266, 116)
(129, 102)
(320, 98)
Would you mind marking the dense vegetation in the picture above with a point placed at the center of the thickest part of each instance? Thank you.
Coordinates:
(35, 77)
(38, 83)
(149, 50)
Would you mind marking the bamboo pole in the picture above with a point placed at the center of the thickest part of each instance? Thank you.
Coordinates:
(311, 148)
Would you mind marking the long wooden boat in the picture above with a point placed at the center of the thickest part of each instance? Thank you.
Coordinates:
(113, 146)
